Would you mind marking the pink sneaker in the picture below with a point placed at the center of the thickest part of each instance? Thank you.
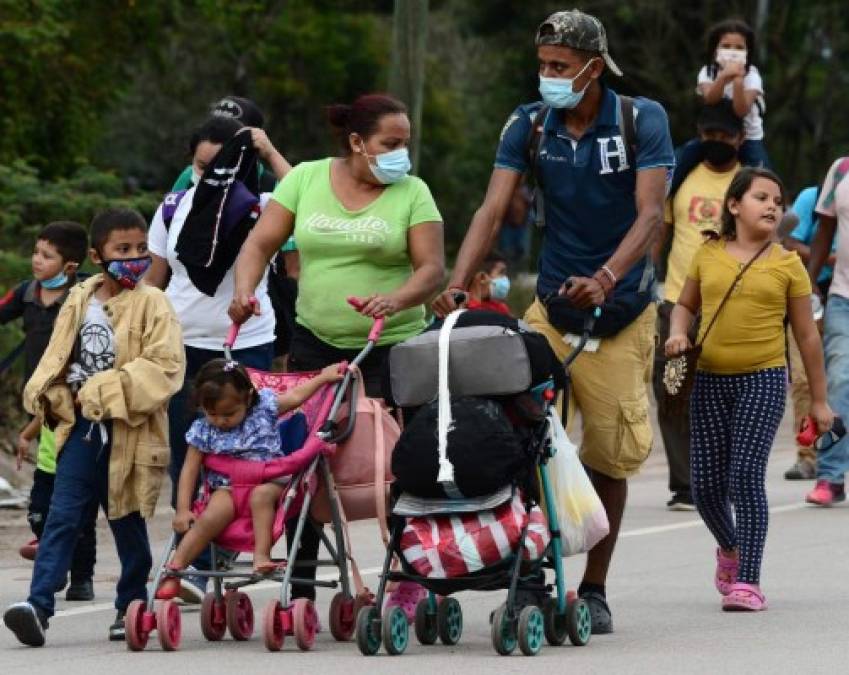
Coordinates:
(406, 596)
(744, 598)
(726, 572)
(826, 493)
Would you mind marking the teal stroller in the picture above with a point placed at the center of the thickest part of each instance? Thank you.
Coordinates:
(533, 612)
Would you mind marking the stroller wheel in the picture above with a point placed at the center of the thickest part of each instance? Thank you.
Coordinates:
(425, 624)
(213, 619)
(368, 630)
(449, 621)
(503, 631)
(531, 630)
(168, 625)
(240, 615)
(272, 626)
(305, 620)
(555, 624)
(136, 632)
(342, 617)
(579, 622)
(396, 631)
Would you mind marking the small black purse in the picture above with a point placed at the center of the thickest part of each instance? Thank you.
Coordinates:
(679, 372)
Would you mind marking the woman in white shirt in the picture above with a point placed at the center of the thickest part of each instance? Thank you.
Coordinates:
(203, 314)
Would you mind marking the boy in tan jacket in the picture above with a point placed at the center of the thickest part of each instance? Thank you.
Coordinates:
(114, 359)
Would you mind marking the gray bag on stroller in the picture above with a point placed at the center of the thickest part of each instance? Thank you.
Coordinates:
(483, 361)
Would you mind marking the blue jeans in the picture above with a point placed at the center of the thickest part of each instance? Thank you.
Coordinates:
(833, 463)
(181, 413)
(85, 552)
(82, 476)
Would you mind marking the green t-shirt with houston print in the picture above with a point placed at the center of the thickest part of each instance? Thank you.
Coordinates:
(346, 253)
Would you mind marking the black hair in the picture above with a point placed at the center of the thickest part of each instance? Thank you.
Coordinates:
(217, 374)
(361, 117)
(740, 185)
(110, 220)
(491, 260)
(719, 115)
(217, 129)
(69, 238)
(715, 35)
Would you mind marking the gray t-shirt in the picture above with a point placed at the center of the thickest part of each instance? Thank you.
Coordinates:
(96, 351)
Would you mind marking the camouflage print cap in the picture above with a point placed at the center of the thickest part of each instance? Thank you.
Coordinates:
(577, 30)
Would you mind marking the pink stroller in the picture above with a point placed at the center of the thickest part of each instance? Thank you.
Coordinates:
(227, 607)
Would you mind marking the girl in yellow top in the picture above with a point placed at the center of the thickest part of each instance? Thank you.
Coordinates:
(741, 383)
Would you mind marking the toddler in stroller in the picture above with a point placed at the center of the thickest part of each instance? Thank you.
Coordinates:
(244, 405)
(238, 422)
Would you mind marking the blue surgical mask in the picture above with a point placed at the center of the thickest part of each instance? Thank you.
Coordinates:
(500, 287)
(390, 167)
(55, 282)
(557, 92)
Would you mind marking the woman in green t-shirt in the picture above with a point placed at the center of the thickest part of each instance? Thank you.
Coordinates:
(363, 228)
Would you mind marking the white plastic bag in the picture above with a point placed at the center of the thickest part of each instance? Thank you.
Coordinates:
(580, 513)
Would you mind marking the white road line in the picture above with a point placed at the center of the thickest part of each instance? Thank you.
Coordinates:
(658, 529)
(262, 585)
(369, 571)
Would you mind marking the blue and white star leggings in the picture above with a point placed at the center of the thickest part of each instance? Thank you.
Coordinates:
(733, 422)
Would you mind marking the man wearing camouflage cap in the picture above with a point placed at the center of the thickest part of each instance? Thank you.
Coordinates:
(600, 163)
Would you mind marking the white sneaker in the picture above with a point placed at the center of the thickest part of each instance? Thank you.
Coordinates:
(193, 588)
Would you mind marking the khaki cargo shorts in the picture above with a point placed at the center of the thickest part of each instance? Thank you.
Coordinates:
(610, 389)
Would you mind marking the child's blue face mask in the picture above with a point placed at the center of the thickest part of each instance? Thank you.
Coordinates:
(500, 287)
(55, 282)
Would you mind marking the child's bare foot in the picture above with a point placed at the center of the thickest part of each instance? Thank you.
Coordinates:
(263, 564)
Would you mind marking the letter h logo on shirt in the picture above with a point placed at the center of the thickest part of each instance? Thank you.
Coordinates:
(606, 152)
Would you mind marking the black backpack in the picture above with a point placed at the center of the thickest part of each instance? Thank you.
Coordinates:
(486, 452)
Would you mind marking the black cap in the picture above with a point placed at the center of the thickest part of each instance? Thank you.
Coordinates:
(720, 117)
(242, 109)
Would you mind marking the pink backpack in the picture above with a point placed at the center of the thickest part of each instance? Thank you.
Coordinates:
(361, 465)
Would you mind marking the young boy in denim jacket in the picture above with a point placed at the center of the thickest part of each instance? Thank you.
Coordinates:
(114, 359)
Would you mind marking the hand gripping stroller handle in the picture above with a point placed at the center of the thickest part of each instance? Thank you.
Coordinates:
(377, 327)
(587, 329)
(233, 333)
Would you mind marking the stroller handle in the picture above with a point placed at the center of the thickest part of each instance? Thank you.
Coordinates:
(377, 327)
(589, 323)
(233, 333)
(350, 382)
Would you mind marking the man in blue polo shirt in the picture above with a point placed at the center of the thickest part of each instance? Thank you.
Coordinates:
(602, 199)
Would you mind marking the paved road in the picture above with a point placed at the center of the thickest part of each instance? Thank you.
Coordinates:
(665, 608)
